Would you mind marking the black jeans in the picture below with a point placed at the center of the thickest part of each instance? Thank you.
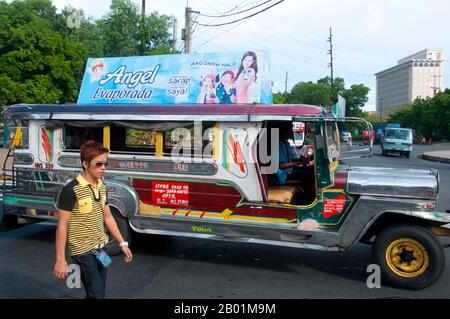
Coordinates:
(306, 174)
(93, 275)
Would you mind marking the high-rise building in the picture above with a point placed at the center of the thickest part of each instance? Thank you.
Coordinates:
(417, 75)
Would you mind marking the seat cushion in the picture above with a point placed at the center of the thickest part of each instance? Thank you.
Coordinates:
(281, 194)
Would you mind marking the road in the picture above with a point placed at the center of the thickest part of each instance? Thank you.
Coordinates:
(170, 267)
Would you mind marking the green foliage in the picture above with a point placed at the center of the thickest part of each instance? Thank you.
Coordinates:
(372, 117)
(124, 33)
(42, 60)
(37, 63)
(280, 98)
(310, 93)
(429, 117)
(320, 93)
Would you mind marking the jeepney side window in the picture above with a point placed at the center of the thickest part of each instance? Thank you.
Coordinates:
(194, 138)
(75, 136)
(131, 140)
(16, 134)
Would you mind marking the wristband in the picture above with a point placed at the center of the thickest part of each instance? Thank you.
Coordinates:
(124, 243)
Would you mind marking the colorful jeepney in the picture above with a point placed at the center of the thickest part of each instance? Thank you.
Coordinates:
(219, 186)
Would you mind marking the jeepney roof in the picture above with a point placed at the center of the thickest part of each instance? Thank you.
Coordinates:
(155, 112)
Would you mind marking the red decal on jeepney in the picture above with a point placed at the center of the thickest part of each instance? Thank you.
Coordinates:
(174, 212)
(333, 206)
(203, 214)
(46, 145)
(187, 214)
(170, 194)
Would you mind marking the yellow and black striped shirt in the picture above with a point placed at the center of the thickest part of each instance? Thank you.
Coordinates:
(86, 230)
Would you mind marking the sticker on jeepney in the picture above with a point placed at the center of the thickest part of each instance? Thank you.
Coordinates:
(45, 145)
(170, 194)
(235, 151)
(332, 207)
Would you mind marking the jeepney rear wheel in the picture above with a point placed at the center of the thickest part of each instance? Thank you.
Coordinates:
(409, 256)
(113, 247)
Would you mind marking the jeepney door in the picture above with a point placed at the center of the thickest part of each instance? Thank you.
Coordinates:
(327, 150)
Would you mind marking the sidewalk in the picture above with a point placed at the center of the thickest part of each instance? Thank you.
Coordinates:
(438, 156)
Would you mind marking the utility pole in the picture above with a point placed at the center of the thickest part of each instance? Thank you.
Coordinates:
(381, 107)
(286, 82)
(188, 31)
(435, 87)
(174, 33)
(143, 28)
(330, 52)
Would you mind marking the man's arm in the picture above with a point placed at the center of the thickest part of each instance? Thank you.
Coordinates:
(60, 270)
(298, 162)
(114, 230)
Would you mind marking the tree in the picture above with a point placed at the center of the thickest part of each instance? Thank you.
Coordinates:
(280, 98)
(42, 59)
(320, 93)
(122, 32)
(429, 117)
(310, 93)
(37, 63)
(356, 97)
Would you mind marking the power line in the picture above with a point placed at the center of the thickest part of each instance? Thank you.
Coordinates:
(221, 32)
(230, 10)
(295, 40)
(244, 18)
(234, 13)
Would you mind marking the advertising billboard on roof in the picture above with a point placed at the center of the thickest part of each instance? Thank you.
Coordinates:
(201, 78)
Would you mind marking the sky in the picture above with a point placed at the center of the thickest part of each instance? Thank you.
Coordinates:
(368, 35)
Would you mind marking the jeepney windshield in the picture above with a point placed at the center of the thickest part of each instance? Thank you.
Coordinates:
(332, 140)
(399, 134)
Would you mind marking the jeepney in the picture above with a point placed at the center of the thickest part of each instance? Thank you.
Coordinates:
(219, 186)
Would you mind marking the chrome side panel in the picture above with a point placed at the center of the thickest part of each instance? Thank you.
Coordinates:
(122, 197)
(247, 240)
(39, 189)
(406, 183)
(311, 239)
(369, 208)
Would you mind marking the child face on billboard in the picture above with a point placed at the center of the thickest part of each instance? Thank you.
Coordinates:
(207, 83)
(226, 79)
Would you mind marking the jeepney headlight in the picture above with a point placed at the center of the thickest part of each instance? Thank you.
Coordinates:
(427, 205)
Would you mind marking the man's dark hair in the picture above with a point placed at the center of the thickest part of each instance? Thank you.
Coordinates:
(90, 150)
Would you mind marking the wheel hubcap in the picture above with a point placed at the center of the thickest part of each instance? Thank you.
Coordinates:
(407, 257)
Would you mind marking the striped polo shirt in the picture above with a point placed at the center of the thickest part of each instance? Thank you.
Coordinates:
(86, 230)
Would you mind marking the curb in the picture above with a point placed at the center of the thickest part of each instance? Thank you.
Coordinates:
(432, 158)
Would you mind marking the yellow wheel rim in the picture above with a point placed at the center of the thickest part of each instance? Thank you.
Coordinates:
(407, 257)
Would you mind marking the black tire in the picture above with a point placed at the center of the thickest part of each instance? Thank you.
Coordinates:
(408, 154)
(113, 247)
(383, 152)
(430, 266)
(9, 222)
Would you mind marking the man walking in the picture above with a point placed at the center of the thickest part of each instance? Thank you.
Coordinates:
(83, 212)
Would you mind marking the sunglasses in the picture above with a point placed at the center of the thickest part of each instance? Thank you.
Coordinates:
(100, 164)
